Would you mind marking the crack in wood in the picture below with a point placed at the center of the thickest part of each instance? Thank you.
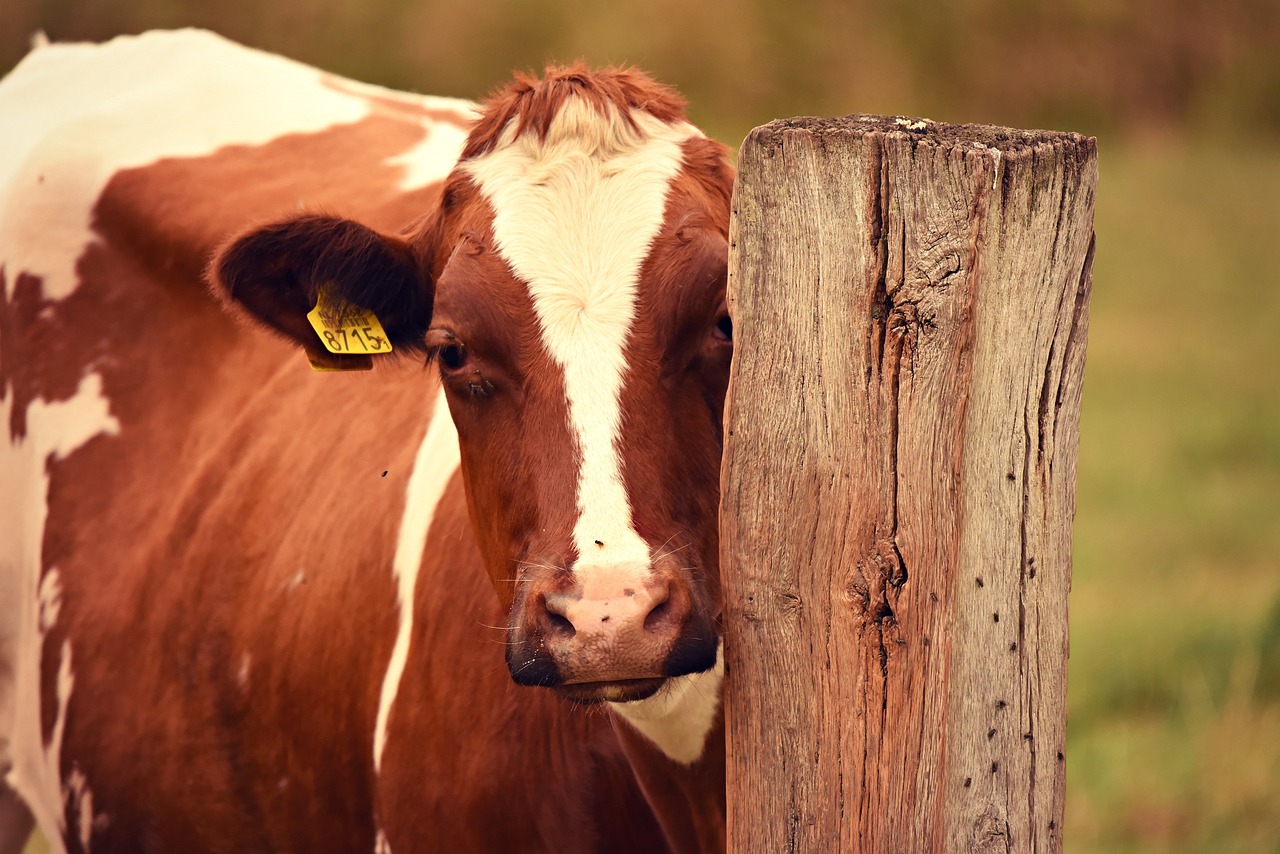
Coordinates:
(935, 332)
(878, 216)
(1076, 335)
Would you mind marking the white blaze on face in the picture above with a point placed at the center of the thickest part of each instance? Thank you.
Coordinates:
(575, 215)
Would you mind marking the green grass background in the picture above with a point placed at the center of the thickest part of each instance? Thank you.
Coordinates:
(1174, 694)
(1174, 732)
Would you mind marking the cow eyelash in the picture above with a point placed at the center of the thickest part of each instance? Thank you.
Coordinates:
(446, 349)
(452, 357)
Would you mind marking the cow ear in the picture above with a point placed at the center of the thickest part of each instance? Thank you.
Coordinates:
(276, 273)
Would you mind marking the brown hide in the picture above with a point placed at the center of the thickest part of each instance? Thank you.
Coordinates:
(225, 560)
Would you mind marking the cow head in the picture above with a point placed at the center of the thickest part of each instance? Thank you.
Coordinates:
(570, 289)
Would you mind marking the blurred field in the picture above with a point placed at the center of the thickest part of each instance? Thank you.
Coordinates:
(1174, 734)
(1093, 66)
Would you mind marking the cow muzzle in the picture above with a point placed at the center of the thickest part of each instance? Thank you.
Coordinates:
(608, 633)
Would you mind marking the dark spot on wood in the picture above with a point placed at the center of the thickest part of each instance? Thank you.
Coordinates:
(1000, 704)
(1026, 736)
(1033, 572)
(1011, 476)
(980, 582)
(1052, 825)
(1013, 647)
(925, 640)
(968, 781)
(995, 767)
(995, 617)
(933, 597)
(991, 733)
(1060, 756)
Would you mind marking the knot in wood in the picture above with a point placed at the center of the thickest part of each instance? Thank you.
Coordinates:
(876, 584)
(904, 317)
(990, 832)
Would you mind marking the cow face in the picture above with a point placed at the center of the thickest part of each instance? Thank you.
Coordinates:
(571, 290)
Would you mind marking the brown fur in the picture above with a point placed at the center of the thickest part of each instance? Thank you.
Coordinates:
(245, 518)
(533, 103)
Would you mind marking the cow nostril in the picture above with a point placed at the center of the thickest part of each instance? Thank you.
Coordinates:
(559, 626)
(555, 618)
(658, 616)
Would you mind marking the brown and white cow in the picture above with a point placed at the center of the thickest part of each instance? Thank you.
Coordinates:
(246, 606)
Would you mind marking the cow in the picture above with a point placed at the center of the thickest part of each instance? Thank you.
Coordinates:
(361, 461)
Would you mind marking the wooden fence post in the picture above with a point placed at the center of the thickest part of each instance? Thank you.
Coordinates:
(910, 305)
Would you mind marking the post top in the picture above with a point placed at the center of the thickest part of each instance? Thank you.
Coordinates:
(924, 131)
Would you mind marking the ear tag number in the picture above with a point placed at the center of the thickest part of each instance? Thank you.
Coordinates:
(347, 328)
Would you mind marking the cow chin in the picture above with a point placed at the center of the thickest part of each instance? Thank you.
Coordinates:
(610, 674)
(620, 691)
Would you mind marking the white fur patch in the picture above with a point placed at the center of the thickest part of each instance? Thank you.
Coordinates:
(242, 673)
(50, 596)
(678, 718)
(575, 215)
(29, 604)
(79, 794)
(432, 159)
(75, 114)
(437, 460)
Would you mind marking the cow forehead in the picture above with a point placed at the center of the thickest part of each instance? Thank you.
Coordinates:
(575, 213)
(574, 216)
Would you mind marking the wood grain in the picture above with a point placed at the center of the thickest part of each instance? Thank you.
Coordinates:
(910, 308)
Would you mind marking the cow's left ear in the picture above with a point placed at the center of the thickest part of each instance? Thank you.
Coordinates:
(276, 274)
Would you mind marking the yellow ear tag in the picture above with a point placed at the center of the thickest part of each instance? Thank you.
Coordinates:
(347, 328)
(326, 363)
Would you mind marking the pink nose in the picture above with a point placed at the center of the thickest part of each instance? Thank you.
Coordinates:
(603, 613)
(615, 626)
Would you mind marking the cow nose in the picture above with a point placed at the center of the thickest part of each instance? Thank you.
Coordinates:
(607, 612)
(618, 623)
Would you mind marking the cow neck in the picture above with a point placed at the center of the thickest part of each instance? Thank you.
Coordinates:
(687, 799)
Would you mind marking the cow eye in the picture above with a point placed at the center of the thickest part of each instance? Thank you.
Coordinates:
(452, 357)
(724, 328)
(446, 349)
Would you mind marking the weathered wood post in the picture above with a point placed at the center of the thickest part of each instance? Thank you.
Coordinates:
(910, 306)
